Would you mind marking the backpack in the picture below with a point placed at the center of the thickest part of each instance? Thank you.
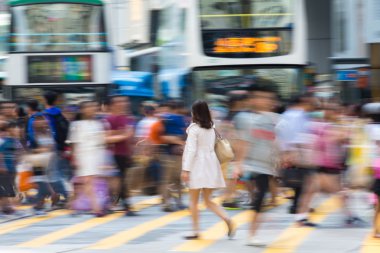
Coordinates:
(60, 128)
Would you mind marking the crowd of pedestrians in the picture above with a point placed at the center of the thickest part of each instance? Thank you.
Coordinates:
(83, 157)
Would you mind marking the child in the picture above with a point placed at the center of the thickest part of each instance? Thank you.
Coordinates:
(9, 146)
(39, 157)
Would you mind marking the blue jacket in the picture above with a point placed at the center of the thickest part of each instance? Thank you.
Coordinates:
(30, 136)
(49, 113)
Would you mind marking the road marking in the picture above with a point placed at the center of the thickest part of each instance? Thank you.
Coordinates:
(83, 226)
(292, 237)
(15, 225)
(24, 207)
(128, 235)
(218, 231)
(371, 245)
(69, 231)
(146, 203)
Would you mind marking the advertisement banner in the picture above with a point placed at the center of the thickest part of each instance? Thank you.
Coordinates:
(59, 69)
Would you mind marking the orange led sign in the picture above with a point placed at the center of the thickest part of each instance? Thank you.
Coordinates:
(246, 45)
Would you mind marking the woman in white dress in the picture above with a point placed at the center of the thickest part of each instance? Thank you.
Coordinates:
(87, 135)
(201, 169)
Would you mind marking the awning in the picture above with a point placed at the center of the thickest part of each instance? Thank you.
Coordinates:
(172, 81)
(133, 83)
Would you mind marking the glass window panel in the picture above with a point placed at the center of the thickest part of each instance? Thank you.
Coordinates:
(215, 84)
(57, 27)
(237, 14)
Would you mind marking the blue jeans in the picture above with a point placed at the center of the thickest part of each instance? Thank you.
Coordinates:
(43, 192)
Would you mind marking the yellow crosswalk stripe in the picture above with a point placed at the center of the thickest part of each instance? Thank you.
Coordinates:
(371, 245)
(292, 237)
(213, 234)
(22, 208)
(83, 226)
(69, 231)
(19, 224)
(125, 236)
(218, 231)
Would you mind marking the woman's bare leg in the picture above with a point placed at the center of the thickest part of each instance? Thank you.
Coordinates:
(194, 199)
(215, 208)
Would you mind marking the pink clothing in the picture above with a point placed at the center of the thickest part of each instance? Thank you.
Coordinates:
(329, 150)
(376, 168)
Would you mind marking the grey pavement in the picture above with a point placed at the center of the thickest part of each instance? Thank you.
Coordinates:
(330, 236)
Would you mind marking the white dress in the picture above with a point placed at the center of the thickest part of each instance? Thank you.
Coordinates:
(200, 159)
(89, 149)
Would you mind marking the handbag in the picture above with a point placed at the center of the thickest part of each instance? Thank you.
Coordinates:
(223, 149)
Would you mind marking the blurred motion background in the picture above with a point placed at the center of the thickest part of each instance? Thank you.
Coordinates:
(182, 49)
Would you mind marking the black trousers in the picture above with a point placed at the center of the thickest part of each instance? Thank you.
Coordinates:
(123, 163)
(303, 175)
(262, 187)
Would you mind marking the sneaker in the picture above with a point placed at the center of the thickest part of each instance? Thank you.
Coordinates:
(40, 213)
(99, 214)
(255, 243)
(306, 223)
(168, 209)
(130, 213)
(191, 237)
(355, 221)
(231, 206)
(292, 210)
(117, 208)
(182, 207)
(9, 211)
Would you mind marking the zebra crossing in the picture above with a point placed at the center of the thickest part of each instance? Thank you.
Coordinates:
(156, 232)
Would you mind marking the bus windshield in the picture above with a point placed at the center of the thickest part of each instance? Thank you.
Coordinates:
(248, 14)
(216, 84)
(57, 27)
(246, 28)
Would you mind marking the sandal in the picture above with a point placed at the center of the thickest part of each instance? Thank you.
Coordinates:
(192, 237)
(231, 229)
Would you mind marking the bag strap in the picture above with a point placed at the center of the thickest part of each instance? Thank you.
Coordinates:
(217, 134)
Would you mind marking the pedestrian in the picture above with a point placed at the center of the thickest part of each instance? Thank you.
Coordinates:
(59, 127)
(87, 136)
(359, 176)
(9, 150)
(330, 149)
(8, 110)
(173, 135)
(256, 148)
(33, 111)
(293, 127)
(39, 155)
(121, 142)
(144, 126)
(376, 191)
(201, 170)
(236, 104)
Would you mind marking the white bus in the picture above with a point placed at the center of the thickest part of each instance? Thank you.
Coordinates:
(218, 46)
(58, 45)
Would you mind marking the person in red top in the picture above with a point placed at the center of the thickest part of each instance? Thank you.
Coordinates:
(121, 141)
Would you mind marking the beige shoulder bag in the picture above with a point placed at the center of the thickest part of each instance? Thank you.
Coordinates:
(223, 149)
